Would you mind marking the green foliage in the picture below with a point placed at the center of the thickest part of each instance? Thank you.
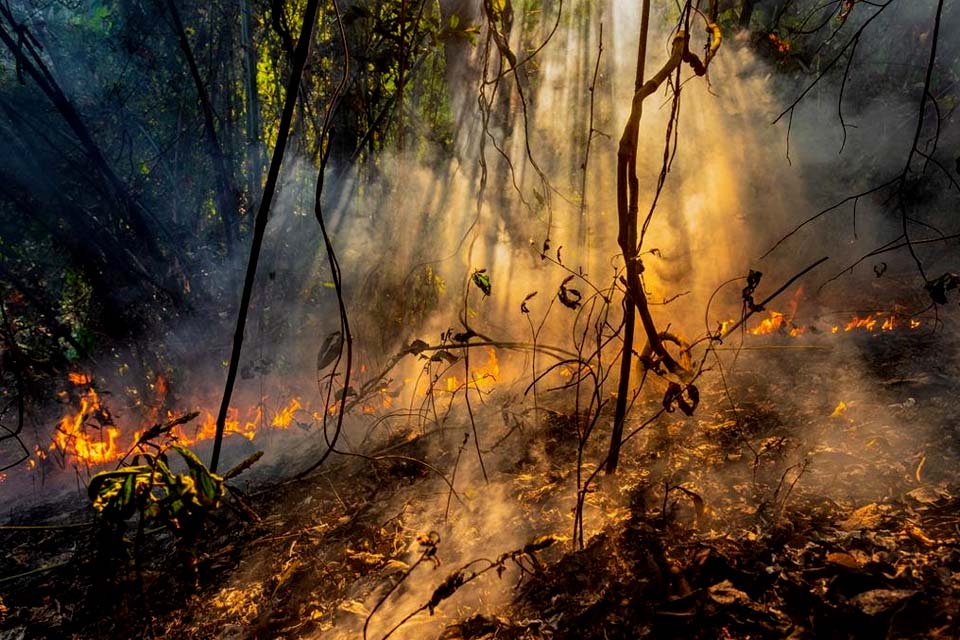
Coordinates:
(178, 501)
(481, 278)
(76, 303)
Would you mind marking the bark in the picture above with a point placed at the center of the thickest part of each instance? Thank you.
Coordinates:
(254, 157)
(746, 12)
(628, 238)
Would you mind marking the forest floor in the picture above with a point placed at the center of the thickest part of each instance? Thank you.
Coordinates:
(816, 494)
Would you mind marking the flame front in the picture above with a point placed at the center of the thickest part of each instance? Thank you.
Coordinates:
(88, 437)
(879, 322)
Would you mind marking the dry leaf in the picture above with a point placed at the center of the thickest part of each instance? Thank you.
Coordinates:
(725, 593)
(844, 560)
(866, 517)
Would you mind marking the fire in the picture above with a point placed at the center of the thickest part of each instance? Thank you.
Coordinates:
(777, 322)
(79, 378)
(869, 323)
(886, 322)
(89, 436)
(284, 418)
(73, 437)
(879, 322)
(481, 377)
(247, 427)
(781, 322)
(839, 409)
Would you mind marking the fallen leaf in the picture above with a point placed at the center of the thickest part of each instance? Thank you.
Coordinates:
(866, 517)
(879, 601)
(726, 594)
(844, 560)
(927, 494)
(915, 533)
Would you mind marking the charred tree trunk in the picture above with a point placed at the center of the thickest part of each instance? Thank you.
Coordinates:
(628, 242)
(299, 61)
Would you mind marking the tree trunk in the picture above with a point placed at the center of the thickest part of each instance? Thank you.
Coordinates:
(253, 154)
(746, 12)
(227, 195)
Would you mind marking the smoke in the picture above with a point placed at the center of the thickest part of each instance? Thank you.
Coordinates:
(411, 227)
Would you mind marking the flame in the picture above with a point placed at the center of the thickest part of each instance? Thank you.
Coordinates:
(878, 322)
(777, 323)
(482, 377)
(79, 379)
(73, 439)
(885, 322)
(207, 430)
(869, 323)
(89, 437)
(839, 409)
(284, 418)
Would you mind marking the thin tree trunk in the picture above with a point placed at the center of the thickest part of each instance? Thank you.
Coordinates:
(746, 12)
(254, 156)
(628, 243)
(263, 214)
(226, 191)
(628, 208)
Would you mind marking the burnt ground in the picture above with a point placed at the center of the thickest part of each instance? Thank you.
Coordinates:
(814, 495)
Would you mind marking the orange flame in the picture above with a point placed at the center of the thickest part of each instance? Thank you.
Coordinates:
(481, 377)
(885, 322)
(284, 418)
(777, 323)
(89, 437)
(72, 437)
(79, 378)
(879, 322)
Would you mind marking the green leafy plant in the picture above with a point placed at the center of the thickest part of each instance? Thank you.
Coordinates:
(176, 500)
(179, 502)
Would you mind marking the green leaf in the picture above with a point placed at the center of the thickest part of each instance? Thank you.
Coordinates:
(208, 486)
(482, 280)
